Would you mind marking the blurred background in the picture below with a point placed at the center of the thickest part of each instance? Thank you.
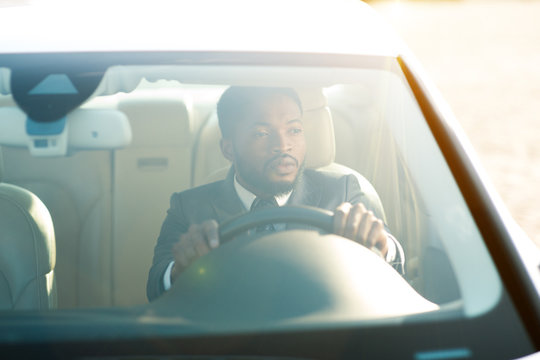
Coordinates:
(484, 57)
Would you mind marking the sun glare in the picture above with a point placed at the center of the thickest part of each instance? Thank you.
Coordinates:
(396, 9)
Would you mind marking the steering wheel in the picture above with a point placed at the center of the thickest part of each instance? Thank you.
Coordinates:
(290, 275)
(306, 215)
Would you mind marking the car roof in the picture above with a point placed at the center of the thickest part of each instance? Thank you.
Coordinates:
(297, 26)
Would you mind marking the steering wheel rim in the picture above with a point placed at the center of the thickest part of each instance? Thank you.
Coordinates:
(306, 215)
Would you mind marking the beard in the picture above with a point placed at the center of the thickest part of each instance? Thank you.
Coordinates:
(261, 183)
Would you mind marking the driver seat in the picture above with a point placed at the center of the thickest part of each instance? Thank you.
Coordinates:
(320, 147)
(27, 250)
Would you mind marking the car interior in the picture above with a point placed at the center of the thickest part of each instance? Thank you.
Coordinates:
(83, 207)
(104, 116)
(107, 203)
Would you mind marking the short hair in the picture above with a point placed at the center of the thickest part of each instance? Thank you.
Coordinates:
(236, 99)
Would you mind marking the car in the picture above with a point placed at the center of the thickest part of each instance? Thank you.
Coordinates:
(107, 109)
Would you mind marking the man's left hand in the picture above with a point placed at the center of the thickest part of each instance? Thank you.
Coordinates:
(355, 222)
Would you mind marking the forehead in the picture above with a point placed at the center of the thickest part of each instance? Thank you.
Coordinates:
(271, 108)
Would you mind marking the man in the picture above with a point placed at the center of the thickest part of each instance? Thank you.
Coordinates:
(263, 137)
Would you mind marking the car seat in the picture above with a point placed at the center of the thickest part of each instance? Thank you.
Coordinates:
(362, 127)
(27, 250)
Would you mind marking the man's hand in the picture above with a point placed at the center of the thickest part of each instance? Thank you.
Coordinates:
(198, 241)
(356, 223)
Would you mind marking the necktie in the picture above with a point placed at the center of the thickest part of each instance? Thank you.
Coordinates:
(264, 203)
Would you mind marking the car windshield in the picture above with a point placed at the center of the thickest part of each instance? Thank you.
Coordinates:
(151, 131)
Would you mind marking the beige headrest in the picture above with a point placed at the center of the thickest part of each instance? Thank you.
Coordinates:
(320, 143)
(173, 127)
(319, 128)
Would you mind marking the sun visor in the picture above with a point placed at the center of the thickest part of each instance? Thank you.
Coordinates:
(82, 129)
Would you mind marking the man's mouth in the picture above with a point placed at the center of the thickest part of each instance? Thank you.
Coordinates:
(283, 165)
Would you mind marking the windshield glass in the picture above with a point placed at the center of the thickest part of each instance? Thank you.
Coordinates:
(140, 162)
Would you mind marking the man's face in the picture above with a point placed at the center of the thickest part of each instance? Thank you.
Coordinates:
(268, 146)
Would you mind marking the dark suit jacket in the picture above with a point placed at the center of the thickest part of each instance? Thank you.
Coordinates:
(220, 202)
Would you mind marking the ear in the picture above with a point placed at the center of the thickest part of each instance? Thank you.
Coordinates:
(227, 149)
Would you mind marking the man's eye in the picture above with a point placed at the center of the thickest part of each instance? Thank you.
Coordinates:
(260, 134)
(296, 131)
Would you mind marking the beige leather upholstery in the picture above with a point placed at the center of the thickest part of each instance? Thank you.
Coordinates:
(27, 251)
(157, 164)
(318, 127)
(207, 156)
(76, 190)
(102, 259)
(364, 143)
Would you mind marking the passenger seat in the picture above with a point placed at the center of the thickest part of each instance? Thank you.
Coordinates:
(76, 190)
(27, 250)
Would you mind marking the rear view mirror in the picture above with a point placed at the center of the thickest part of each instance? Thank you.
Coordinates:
(48, 91)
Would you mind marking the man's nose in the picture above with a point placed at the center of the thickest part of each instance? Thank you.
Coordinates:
(281, 143)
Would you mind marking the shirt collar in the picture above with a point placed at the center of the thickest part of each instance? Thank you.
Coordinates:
(247, 197)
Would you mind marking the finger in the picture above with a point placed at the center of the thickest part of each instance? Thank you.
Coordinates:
(210, 230)
(201, 246)
(353, 221)
(196, 245)
(378, 238)
(180, 255)
(340, 217)
(186, 248)
(364, 227)
(189, 253)
(374, 230)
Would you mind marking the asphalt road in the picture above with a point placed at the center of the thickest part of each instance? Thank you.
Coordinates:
(484, 56)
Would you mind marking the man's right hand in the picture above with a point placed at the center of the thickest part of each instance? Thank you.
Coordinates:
(198, 241)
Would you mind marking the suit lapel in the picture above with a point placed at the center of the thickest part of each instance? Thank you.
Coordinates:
(227, 204)
(304, 194)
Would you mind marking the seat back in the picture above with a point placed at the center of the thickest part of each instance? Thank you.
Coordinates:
(146, 173)
(27, 250)
(365, 143)
(77, 192)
